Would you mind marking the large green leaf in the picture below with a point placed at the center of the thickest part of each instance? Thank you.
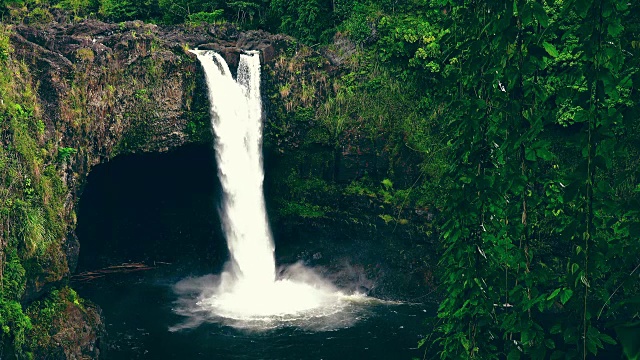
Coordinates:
(551, 50)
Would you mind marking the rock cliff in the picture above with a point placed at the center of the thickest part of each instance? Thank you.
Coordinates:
(87, 92)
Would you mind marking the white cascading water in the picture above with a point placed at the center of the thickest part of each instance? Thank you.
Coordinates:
(249, 289)
(236, 113)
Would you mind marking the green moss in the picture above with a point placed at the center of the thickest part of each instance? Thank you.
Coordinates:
(13, 279)
(85, 55)
(197, 103)
(142, 95)
(303, 209)
(360, 187)
(14, 327)
(198, 128)
(136, 136)
(199, 120)
(302, 196)
(65, 153)
(5, 45)
(49, 315)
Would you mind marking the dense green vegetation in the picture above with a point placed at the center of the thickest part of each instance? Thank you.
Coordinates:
(541, 260)
(538, 191)
(32, 197)
(523, 118)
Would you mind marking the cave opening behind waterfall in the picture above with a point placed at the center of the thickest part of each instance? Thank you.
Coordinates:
(157, 208)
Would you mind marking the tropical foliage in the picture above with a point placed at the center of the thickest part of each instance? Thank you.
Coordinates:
(524, 118)
(541, 98)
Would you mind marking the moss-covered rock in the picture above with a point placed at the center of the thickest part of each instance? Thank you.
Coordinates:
(64, 326)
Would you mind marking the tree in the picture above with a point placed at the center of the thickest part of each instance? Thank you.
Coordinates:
(307, 20)
(120, 10)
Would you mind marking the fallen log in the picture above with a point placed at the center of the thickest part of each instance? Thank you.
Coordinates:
(110, 270)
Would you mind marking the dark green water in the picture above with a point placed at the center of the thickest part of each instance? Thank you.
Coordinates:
(138, 309)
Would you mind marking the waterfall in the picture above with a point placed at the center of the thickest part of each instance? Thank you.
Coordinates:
(249, 289)
(236, 117)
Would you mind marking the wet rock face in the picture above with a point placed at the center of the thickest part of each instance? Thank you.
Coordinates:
(65, 327)
(79, 336)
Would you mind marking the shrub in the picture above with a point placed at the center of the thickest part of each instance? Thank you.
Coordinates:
(206, 17)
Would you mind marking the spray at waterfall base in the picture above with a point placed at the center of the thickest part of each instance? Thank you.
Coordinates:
(248, 294)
